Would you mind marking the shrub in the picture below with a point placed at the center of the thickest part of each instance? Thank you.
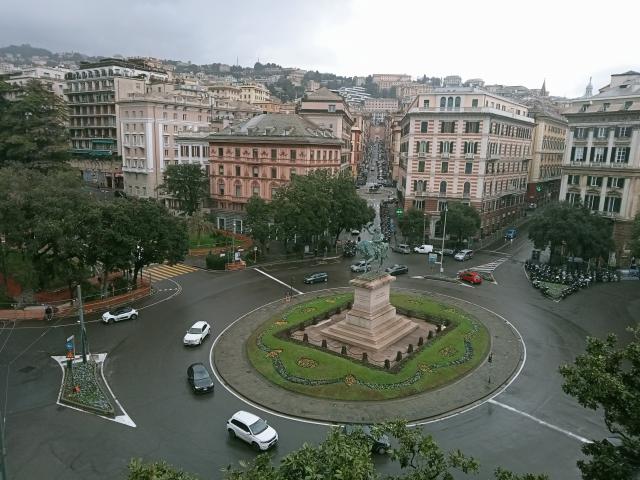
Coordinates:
(387, 363)
(420, 341)
(398, 356)
(410, 349)
(215, 262)
(430, 335)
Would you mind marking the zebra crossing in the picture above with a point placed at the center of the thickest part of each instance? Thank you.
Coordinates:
(160, 271)
(491, 266)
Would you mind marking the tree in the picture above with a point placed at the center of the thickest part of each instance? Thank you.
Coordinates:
(32, 127)
(348, 456)
(258, 219)
(199, 224)
(348, 209)
(463, 221)
(155, 471)
(187, 183)
(605, 378)
(412, 225)
(635, 237)
(571, 230)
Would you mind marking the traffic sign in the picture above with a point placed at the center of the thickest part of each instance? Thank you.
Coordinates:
(433, 257)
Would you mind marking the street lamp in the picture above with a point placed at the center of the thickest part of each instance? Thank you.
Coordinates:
(424, 228)
(444, 230)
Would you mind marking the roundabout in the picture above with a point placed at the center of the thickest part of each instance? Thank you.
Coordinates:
(251, 362)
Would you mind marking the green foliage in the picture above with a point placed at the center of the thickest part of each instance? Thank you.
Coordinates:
(635, 237)
(501, 474)
(187, 183)
(155, 471)
(571, 230)
(198, 225)
(605, 378)
(258, 219)
(215, 261)
(32, 127)
(412, 224)
(463, 221)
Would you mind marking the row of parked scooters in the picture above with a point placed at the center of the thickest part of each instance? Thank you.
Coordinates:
(541, 274)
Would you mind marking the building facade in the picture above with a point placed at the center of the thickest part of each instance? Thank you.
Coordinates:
(149, 125)
(261, 155)
(254, 93)
(93, 92)
(465, 145)
(601, 166)
(388, 80)
(549, 142)
(224, 91)
(386, 105)
(52, 78)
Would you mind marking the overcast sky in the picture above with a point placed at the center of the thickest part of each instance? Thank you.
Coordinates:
(501, 41)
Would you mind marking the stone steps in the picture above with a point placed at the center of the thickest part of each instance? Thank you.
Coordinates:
(383, 336)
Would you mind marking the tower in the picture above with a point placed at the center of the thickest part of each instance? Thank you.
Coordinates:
(589, 90)
(543, 90)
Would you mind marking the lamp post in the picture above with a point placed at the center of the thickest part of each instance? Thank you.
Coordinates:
(424, 228)
(444, 230)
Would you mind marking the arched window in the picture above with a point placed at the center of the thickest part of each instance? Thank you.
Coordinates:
(457, 102)
(443, 102)
(443, 187)
(450, 102)
(466, 190)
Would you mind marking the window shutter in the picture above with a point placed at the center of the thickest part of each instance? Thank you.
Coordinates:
(584, 154)
(573, 153)
(613, 154)
(589, 180)
(476, 147)
(604, 155)
(599, 181)
(428, 147)
(593, 152)
(609, 181)
(439, 147)
(617, 134)
(417, 146)
(626, 154)
(621, 182)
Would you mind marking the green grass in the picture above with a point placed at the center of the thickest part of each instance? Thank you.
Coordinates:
(209, 240)
(554, 289)
(374, 383)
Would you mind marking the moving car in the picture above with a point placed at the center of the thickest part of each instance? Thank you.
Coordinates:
(119, 314)
(462, 255)
(397, 269)
(199, 378)
(511, 233)
(449, 252)
(252, 429)
(316, 277)
(470, 276)
(379, 444)
(401, 248)
(355, 232)
(197, 333)
(423, 249)
(361, 266)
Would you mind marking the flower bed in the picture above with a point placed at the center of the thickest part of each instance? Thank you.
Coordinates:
(82, 389)
(439, 361)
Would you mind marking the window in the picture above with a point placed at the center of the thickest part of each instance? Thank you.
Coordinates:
(466, 189)
(599, 154)
(425, 104)
(221, 187)
(274, 172)
(594, 181)
(457, 102)
(443, 187)
(255, 172)
(578, 154)
(164, 115)
(238, 190)
(612, 204)
(220, 151)
(613, 182)
(627, 105)
(471, 127)
(220, 169)
(292, 154)
(423, 127)
(254, 153)
(274, 154)
(623, 132)
(237, 152)
(580, 132)
(421, 166)
(237, 170)
(332, 108)
(447, 127)
(444, 167)
(274, 191)
(601, 132)
(442, 205)
(474, 103)
(573, 179)
(184, 116)
(468, 168)
(573, 198)
(175, 116)
(255, 190)
(592, 202)
(622, 155)
(449, 102)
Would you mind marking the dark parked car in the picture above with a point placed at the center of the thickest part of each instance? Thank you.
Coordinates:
(199, 378)
(397, 269)
(316, 277)
(379, 444)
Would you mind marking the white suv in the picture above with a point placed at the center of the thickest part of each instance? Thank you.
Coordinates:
(252, 429)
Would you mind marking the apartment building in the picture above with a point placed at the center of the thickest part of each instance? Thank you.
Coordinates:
(254, 93)
(262, 154)
(601, 166)
(52, 78)
(93, 92)
(465, 145)
(381, 105)
(549, 141)
(329, 110)
(224, 91)
(149, 125)
(387, 80)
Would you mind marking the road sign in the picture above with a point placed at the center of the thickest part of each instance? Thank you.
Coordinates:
(433, 257)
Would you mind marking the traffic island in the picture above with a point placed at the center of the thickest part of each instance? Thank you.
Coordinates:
(263, 358)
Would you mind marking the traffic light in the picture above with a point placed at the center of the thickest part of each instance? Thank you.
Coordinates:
(399, 212)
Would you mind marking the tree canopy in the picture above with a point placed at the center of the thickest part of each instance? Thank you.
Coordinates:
(463, 221)
(635, 238)
(258, 219)
(32, 127)
(187, 183)
(605, 378)
(412, 225)
(571, 230)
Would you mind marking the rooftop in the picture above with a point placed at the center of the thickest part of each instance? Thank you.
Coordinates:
(323, 94)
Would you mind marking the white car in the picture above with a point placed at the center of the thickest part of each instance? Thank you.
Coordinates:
(463, 255)
(423, 249)
(197, 333)
(361, 266)
(252, 429)
(120, 313)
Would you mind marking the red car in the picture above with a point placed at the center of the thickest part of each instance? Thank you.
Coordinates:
(471, 277)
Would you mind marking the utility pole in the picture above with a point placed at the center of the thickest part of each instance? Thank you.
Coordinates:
(444, 230)
(83, 331)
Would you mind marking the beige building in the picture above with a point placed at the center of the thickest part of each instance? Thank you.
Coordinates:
(232, 112)
(388, 80)
(149, 125)
(52, 78)
(465, 145)
(329, 110)
(601, 166)
(225, 92)
(93, 92)
(254, 93)
(549, 142)
(386, 105)
(262, 154)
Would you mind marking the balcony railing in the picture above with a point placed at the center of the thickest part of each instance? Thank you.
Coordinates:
(445, 154)
(468, 156)
(422, 154)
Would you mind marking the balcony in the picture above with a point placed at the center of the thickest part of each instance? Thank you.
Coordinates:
(494, 156)
(422, 154)
(469, 156)
(445, 154)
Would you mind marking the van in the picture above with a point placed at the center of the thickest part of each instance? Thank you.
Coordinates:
(511, 233)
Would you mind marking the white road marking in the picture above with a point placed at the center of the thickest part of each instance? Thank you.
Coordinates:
(278, 280)
(541, 422)
(498, 251)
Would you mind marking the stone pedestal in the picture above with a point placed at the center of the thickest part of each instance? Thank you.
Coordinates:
(372, 322)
